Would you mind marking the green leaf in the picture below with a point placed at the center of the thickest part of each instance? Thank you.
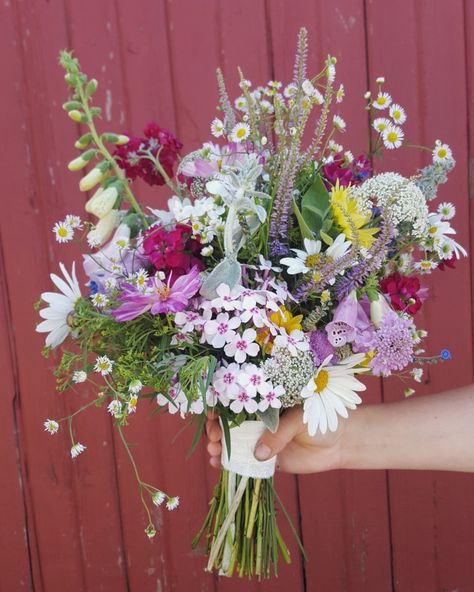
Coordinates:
(197, 435)
(305, 230)
(315, 205)
(270, 418)
(226, 430)
(326, 238)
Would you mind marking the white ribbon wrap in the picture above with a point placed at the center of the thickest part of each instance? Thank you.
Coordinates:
(242, 446)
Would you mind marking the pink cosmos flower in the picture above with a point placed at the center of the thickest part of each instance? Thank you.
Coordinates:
(158, 297)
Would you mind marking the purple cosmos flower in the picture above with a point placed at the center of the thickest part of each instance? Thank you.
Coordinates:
(157, 296)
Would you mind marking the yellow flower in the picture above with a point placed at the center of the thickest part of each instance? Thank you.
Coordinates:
(282, 318)
(349, 218)
(368, 356)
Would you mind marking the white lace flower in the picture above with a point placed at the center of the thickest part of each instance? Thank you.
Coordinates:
(61, 307)
(330, 393)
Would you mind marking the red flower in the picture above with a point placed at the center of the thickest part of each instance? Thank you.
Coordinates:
(354, 173)
(172, 251)
(132, 161)
(404, 291)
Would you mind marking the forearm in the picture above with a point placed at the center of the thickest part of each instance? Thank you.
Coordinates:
(433, 432)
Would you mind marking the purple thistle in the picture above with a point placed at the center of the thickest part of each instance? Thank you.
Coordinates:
(393, 344)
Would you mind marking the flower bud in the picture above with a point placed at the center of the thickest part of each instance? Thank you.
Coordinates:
(118, 139)
(102, 202)
(70, 79)
(91, 87)
(378, 309)
(77, 116)
(91, 179)
(81, 161)
(83, 141)
(102, 232)
(72, 105)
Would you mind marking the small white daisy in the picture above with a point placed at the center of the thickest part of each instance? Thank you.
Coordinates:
(290, 90)
(245, 83)
(367, 95)
(417, 374)
(135, 387)
(172, 503)
(339, 123)
(382, 101)
(380, 124)
(110, 283)
(158, 498)
(240, 103)
(397, 113)
(103, 365)
(217, 128)
(141, 277)
(51, 426)
(380, 80)
(99, 300)
(308, 88)
(393, 137)
(442, 152)
(425, 265)
(340, 94)
(63, 232)
(446, 210)
(73, 221)
(348, 157)
(132, 404)
(207, 251)
(114, 408)
(240, 132)
(79, 376)
(77, 449)
(122, 243)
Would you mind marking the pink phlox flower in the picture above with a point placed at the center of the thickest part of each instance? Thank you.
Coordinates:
(294, 342)
(272, 397)
(158, 297)
(250, 299)
(176, 400)
(225, 380)
(227, 299)
(244, 400)
(189, 320)
(181, 339)
(256, 315)
(252, 379)
(221, 330)
(242, 346)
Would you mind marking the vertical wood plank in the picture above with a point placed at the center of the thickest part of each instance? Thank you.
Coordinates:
(431, 513)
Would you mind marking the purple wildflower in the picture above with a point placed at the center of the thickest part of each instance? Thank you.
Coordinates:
(320, 347)
(393, 345)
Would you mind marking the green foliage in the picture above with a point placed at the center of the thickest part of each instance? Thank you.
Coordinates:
(315, 205)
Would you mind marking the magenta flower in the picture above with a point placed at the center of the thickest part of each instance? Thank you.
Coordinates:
(157, 296)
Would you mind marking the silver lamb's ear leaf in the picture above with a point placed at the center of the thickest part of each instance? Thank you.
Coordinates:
(228, 272)
(270, 417)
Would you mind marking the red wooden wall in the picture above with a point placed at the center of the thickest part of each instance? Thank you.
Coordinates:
(79, 524)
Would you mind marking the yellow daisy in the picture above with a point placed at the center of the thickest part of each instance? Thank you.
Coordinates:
(349, 218)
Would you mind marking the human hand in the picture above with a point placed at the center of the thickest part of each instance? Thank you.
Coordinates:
(297, 451)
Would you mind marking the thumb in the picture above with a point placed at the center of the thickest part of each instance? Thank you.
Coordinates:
(271, 444)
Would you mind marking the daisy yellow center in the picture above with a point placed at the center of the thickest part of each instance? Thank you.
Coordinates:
(381, 101)
(381, 126)
(432, 230)
(442, 153)
(62, 232)
(392, 136)
(396, 115)
(321, 380)
(312, 260)
(104, 365)
(426, 264)
(305, 103)
(163, 291)
(241, 133)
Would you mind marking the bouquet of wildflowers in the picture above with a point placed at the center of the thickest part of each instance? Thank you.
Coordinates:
(280, 272)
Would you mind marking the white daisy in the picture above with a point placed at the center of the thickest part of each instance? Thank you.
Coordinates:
(240, 103)
(340, 93)
(397, 113)
(103, 365)
(51, 426)
(61, 307)
(63, 232)
(382, 101)
(304, 260)
(77, 449)
(425, 265)
(114, 408)
(99, 300)
(158, 498)
(290, 90)
(442, 152)
(73, 221)
(339, 247)
(380, 124)
(245, 83)
(240, 132)
(172, 503)
(217, 128)
(393, 137)
(348, 157)
(132, 404)
(79, 376)
(446, 210)
(330, 393)
(339, 123)
(135, 386)
(380, 80)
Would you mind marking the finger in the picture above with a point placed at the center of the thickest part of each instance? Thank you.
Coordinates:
(271, 444)
(214, 433)
(212, 427)
(215, 462)
(214, 448)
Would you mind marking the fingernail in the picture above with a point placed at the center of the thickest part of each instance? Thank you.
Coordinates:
(262, 452)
